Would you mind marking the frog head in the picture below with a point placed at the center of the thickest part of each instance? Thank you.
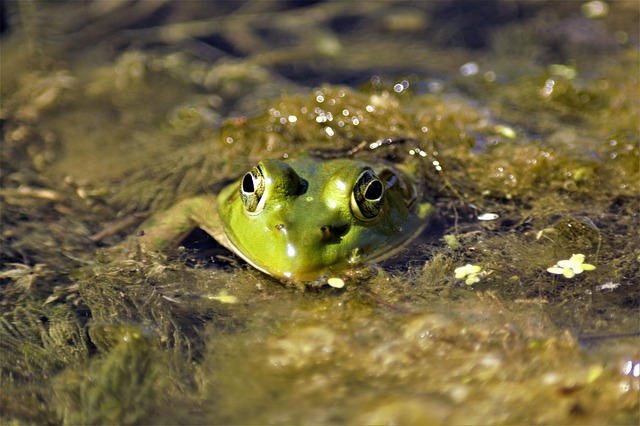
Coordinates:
(302, 219)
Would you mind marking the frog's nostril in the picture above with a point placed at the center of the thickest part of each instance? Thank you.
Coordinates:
(331, 232)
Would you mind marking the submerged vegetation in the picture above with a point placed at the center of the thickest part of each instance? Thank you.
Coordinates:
(528, 122)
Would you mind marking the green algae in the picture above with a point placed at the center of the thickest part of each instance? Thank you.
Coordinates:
(96, 332)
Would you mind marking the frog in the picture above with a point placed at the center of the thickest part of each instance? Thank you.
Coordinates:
(303, 219)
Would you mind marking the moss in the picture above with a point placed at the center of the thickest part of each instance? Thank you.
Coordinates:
(115, 388)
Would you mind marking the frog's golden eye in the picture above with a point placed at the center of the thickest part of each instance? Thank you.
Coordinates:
(367, 197)
(252, 190)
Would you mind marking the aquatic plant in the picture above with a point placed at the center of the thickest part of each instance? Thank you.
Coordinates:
(470, 273)
(571, 267)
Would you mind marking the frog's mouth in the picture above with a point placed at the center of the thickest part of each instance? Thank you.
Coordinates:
(304, 261)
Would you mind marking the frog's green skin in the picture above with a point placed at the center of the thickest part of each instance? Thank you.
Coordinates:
(304, 219)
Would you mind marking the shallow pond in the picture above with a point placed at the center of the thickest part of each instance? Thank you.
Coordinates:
(527, 115)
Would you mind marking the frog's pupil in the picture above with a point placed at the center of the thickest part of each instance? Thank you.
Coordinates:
(374, 191)
(247, 183)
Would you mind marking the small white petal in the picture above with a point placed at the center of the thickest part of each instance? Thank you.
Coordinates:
(474, 269)
(335, 282)
(577, 258)
(466, 270)
(461, 272)
(472, 279)
(565, 264)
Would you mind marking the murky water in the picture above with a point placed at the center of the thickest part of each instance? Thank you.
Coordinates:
(527, 111)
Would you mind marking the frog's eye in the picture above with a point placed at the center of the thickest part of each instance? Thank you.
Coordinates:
(252, 190)
(367, 197)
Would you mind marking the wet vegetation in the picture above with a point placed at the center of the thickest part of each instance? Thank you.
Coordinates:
(528, 115)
